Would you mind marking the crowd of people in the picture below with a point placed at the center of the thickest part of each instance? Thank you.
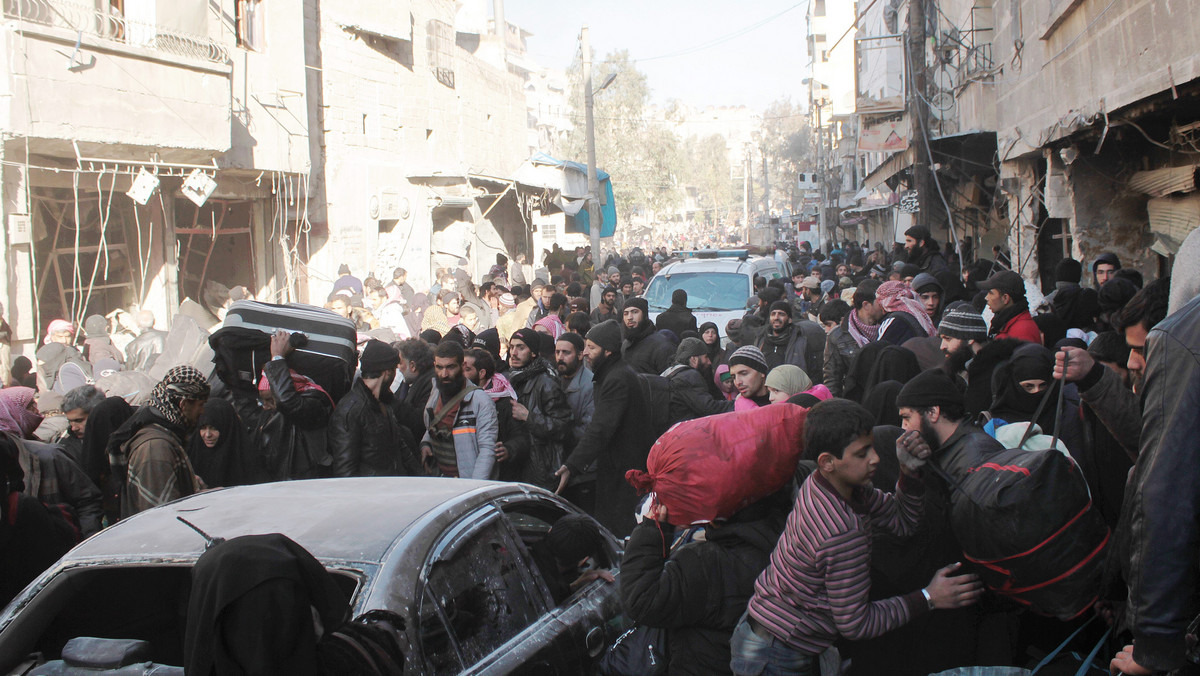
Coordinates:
(557, 376)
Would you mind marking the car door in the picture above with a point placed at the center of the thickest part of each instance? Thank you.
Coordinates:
(479, 607)
(586, 622)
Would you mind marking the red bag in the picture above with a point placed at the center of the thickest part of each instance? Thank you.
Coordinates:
(709, 468)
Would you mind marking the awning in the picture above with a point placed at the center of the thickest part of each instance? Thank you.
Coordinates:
(1172, 219)
(890, 167)
(569, 181)
(363, 16)
(441, 200)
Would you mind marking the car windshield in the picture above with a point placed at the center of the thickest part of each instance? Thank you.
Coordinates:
(707, 291)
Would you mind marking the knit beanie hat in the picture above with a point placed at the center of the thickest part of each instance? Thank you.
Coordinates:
(95, 326)
(508, 300)
(688, 348)
(780, 305)
(574, 339)
(531, 339)
(789, 379)
(934, 387)
(963, 323)
(639, 303)
(751, 356)
(378, 356)
(607, 335)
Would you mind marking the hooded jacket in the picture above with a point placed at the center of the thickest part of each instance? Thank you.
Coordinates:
(365, 439)
(475, 432)
(540, 449)
(700, 591)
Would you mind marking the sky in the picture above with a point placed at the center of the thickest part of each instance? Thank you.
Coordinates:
(753, 67)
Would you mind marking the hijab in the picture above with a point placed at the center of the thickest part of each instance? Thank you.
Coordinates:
(104, 419)
(15, 416)
(881, 402)
(259, 604)
(220, 465)
(1010, 401)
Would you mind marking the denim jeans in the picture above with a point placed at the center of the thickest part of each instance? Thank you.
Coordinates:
(754, 655)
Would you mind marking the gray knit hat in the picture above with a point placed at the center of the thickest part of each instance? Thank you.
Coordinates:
(964, 324)
(688, 348)
(607, 335)
(751, 356)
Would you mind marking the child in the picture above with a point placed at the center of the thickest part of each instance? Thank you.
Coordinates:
(816, 586)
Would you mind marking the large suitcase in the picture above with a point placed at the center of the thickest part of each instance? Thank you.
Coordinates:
(243, 345)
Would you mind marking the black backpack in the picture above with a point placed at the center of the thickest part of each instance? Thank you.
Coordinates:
(658, 398)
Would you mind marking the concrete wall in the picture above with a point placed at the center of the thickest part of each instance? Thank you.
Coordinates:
(387, 118)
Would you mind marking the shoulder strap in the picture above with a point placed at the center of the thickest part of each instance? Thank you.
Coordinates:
(449, 404)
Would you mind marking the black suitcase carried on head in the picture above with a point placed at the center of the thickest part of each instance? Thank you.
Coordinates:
(328, 353)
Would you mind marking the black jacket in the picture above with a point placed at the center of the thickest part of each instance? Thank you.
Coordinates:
(409, 409)
(1160, 520)
(699, 593)
(805, 348)
(690, 395)
(840, 350)
(141, 351)
(646, 351)
(617, 439)
(290, 442)
(539, 451)
(676, 319)
(366, 440)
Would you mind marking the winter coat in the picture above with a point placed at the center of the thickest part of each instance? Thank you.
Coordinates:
(365, 439)
(1160, 520)
(540, 450)
(840, 350)
(1115, 406)
(159, 471)
(580, 391)
(700, 591)
(618, 439)
(676, 319)
(1022, 327)
(52, 477)
(646, 351)
(289, 443)
(102, 348)
(475, 432)
(409, 407)
(805, 348)
(142, 350)
(690, 397)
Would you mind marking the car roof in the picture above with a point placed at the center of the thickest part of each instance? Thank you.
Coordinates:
(717, 265)
(354, 519)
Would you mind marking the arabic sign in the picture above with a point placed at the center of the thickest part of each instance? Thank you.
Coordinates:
(888, 137)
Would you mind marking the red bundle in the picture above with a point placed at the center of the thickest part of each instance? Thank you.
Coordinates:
(709, 468)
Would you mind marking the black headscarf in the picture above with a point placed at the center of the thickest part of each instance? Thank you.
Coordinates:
(1010, 401)
(251, 610)
(220, 465)
(108, 416)
(1077, 307)
(881, 402)
(876, 363)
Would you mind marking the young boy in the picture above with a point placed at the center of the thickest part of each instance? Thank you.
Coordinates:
(816, 586)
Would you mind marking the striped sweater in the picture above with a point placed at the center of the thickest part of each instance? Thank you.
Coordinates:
(816, 587)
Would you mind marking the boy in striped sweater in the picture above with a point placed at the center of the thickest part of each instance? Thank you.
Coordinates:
(816, 587)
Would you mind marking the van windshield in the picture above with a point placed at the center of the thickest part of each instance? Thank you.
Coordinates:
(707, 291)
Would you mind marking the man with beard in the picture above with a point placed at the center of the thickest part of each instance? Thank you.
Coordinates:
(963, 334)
(577, 383)
(644, 349)
(460, 420)
(620, 434)
(364, 436)
(922, 251)
(786, 342)
(158, 469)
(416, 368)
(689, 378)
(541, 405)
(606, 309)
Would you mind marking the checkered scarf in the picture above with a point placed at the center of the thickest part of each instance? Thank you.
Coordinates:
(181, 382)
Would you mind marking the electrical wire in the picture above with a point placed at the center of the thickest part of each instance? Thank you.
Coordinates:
(723, 39)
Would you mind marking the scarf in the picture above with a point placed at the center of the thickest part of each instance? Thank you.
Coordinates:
(553, 325)
(898, 297)
(519, 376)
(1003, 317)
(301, 383)
(860, 332)
(499, 387)
(15, 416)
(181, 382)
(56, 326)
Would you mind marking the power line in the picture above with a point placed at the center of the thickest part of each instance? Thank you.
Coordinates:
(723, 39)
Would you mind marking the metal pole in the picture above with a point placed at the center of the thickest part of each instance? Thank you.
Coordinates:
(746, 196)
(593, 198)
(917, 112)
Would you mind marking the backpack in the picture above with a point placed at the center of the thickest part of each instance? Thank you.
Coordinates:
(658, 398)
(1026, 520)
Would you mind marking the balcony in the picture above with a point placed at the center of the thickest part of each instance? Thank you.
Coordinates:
(111, 27)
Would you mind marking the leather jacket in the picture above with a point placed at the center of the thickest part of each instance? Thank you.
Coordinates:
(540, 450)
(366, 440)
(840, 350)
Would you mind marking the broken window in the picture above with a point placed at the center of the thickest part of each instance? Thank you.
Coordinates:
(478, 596)
(440, 41)
(251, 25)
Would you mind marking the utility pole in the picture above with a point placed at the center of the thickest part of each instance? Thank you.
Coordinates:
(593, 198)
(822, 189)
(917, 111)
(746, 195)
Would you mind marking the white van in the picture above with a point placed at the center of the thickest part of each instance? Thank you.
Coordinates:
(719, 283)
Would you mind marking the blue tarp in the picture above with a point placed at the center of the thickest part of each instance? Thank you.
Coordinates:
(608, 207)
